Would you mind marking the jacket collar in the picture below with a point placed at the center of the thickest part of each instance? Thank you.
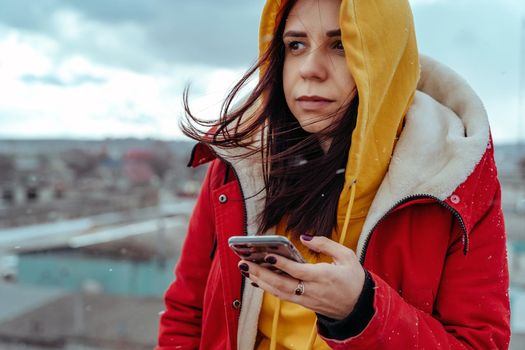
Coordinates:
(444, 139)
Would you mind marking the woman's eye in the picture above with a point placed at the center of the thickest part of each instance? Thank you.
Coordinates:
(295, 45)
(338, 45)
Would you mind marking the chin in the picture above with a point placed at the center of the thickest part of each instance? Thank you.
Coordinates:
(315, 127)
(312, 129)
(322, 121)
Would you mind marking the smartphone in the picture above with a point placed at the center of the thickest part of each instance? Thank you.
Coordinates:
(255, 248)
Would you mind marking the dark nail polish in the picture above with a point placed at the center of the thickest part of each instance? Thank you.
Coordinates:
(270, 259)
(306, 238)
(245, 274)
(255, 285)
(244, 267)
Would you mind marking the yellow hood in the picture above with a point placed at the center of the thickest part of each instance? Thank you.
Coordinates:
(382, 56)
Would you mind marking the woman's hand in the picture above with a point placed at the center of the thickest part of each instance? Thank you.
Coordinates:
(329, 289)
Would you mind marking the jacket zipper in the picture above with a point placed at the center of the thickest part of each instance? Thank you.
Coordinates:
(407, 199)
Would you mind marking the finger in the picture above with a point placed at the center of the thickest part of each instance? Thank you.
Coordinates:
(300, 271)
(341, 254)
(279, 285)
(283, 295)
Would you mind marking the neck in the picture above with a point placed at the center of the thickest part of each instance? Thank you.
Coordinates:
(325, 145)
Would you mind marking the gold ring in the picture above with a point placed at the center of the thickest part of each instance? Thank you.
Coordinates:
(300, 288)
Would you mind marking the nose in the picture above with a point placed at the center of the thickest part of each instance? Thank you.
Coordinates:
(314, 65)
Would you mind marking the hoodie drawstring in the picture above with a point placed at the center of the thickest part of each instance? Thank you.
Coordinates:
(348, 213)
(313, 337)
(275, 324)
(313, 334)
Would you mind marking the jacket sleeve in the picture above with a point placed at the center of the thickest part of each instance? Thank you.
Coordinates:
(471, 309)
(180, 323)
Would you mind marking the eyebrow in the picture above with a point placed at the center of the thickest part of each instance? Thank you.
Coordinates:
(332, 33)
(298, 34)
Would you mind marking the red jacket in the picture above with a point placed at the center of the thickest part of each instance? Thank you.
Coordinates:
(439, 267)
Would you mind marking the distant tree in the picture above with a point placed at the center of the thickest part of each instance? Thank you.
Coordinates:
(81, 162)
(161, 160)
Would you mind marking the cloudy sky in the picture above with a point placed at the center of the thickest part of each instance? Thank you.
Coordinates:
(116, 68)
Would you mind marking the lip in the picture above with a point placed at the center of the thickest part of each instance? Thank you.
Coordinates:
(314, 99)
(313, 103)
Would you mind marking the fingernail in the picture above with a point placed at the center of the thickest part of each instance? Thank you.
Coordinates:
(244, 267)
(306, 238)
(270, 259)
(255, 285)
(245, 274)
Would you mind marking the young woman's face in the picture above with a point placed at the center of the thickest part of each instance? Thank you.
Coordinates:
(317, 84)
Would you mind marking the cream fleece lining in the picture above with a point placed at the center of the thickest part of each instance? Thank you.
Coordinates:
(445, 135)
(444, 138)
(250, 174)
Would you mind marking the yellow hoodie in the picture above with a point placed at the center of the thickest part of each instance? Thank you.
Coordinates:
(382, 56)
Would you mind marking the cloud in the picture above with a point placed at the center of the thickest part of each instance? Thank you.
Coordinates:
(481, 41)
(517, 5)
(424, 2)
(110, 68)
(76, 97)
(504, 119)
(143, 35)
(55, 80)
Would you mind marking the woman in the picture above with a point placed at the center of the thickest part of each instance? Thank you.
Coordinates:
(377, 164)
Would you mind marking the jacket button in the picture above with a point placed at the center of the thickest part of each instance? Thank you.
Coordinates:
(236, 304)
(223, 199)
(455, 199)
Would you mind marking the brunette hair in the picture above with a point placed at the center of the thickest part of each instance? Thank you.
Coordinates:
(302, 183)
